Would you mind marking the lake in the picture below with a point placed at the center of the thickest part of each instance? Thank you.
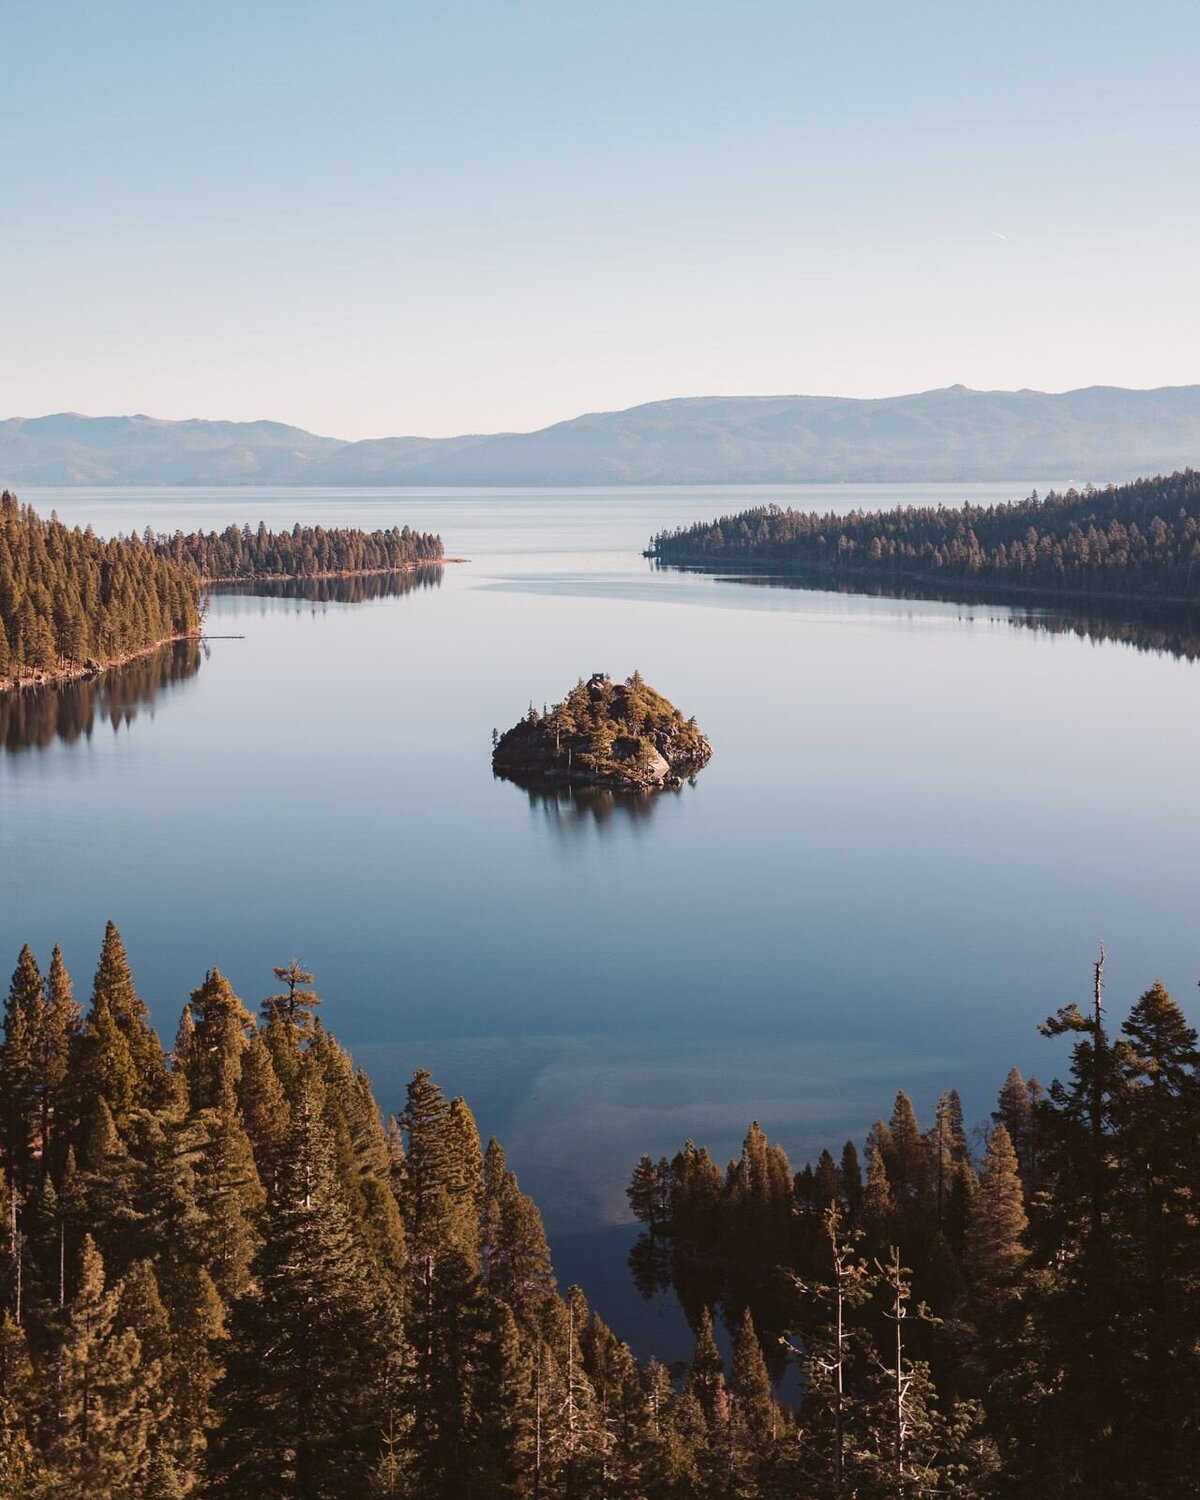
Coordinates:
(919, 820)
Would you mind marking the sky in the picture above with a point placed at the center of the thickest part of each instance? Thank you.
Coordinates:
(381, 218)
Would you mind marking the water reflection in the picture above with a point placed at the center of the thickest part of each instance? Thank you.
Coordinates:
(1164, 632)
(359, 589)
(574, 809)
(1163, 629)
(35, 717)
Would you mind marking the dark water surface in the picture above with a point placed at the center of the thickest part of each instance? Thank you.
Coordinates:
(918, 820)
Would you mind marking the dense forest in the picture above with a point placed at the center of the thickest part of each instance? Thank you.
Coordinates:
(1017, 1315)
(71, 603)
(1140, 540)
(223, 1275)
(67, 598)
(243, 552)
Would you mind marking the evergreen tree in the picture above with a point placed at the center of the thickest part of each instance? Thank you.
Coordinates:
(122, 1057)
(19, 1073)
(217, 1043)
(296, 1003)
(516, 1261)
(995, 1234)
(432, 1165)
(21, 1474)
(706, 1372)
(1156, 1120)
(162, 1478)
(198, 1340)
(60, 1026)
(98, 1430)
(311, 1372)
(753, 1417)
(850, 1182)
(1014, 1110)
(448, 1335)
(264, 1106)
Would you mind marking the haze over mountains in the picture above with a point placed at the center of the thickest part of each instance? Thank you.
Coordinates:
(1097, 434)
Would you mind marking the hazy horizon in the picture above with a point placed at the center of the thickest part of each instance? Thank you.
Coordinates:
(283, 421)
(475, 218)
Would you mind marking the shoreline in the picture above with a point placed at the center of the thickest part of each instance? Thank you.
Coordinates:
(82, 672)
(412, 567)
(923, 585)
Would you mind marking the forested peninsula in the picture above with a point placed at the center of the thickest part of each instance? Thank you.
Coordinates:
(241, 553)
(72, 603)
(1138, 541)
(224, 1276)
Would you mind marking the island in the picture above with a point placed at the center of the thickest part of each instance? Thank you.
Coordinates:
(621, 735)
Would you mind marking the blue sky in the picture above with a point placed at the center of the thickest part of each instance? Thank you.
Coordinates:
(374, 218)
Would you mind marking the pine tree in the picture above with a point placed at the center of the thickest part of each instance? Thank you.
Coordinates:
(995, 1246)
(908, 1171)
(311, 1374)
(122, 1058)
(448, 1332)
(1156, 1119)
(21, 1474)
(217, 1043)
(162, 1478)
(878, 1206)
(283, 1044)
(19, 1072)
(706, 1372)
(431, 1166)
(296, 1003)
(850, 1182)
(114, 989)
(1014, 1110)
(753, 1416)
(99, 1427)
(229, 1199)
(827, 1185)
(264, 1105)
(61, 1021)
(198, 1339)
(1063, 1392)
(516, 1261)
(108, 1188)
(648, 1193)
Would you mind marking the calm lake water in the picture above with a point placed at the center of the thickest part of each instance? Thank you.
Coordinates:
(918, 821)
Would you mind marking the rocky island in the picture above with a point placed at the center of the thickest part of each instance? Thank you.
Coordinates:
(622, 735)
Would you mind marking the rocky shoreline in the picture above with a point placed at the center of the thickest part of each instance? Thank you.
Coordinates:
(623, 736)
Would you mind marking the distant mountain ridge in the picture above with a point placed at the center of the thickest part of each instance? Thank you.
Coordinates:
(1099, 433)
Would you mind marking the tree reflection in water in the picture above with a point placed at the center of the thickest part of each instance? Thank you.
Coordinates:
(572, 809)
(35, 717)
(1162, 629)
(360, 588)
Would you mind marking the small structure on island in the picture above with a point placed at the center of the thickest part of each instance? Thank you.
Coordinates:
(622, 735)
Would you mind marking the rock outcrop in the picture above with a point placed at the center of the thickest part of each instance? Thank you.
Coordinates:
(622, 735)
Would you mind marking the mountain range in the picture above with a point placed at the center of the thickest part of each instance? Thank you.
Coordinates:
(1098, 434)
